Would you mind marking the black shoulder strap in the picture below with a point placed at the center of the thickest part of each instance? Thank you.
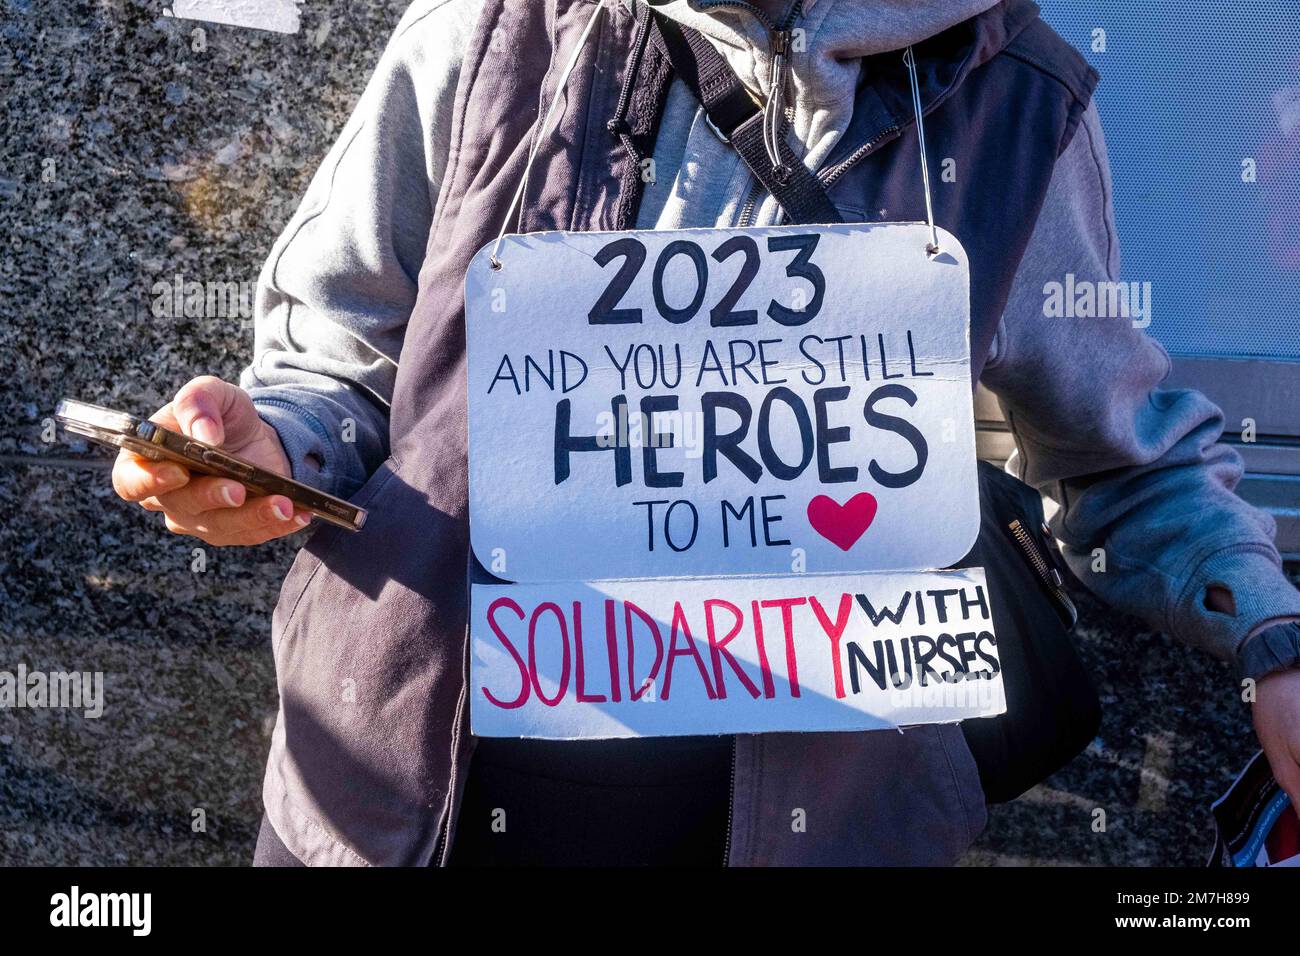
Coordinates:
(738, 118)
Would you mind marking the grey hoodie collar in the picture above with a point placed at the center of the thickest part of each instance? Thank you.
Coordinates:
(826, 56)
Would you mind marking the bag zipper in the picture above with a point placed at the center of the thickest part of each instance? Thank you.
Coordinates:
(1045, 571)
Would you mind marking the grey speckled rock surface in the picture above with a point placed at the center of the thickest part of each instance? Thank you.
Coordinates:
(130, 156)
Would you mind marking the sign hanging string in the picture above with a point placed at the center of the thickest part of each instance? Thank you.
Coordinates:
(909, 58)
(932, 248)
(544, 131)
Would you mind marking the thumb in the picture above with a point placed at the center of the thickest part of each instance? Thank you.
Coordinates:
(206, 408)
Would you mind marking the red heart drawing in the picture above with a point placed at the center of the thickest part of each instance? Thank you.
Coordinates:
(842, 524)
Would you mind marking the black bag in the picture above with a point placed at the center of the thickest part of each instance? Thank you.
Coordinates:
(1052, 707)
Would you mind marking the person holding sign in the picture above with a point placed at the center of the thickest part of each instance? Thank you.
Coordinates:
(647, 340)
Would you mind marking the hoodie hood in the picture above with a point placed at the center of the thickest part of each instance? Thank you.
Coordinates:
(825, 60)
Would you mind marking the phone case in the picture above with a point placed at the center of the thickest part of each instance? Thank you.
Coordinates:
(150, 440)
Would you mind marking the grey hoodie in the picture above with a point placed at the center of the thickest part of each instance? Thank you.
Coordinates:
(1138, 471)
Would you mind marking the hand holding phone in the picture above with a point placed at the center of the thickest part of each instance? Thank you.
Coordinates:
(227, 485)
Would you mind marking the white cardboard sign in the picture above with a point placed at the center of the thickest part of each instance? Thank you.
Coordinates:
(675, 657)
(720, 402)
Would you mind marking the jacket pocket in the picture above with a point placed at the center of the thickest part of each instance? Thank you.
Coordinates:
(313, 555)
(966, 779)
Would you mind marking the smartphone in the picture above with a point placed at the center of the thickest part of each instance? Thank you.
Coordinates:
(150, 440)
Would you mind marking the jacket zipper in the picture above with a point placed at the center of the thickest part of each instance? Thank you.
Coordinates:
(780, 40)
(747, 210)
(779, 34)
(793, 14)
(756, 190)
(440, 848)
(442, 841)
(1044, 570)
(731, 806)
(829, 177)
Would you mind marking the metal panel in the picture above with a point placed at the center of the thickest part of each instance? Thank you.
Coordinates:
(1272, 461)
(1201, 108)
(1266, 393)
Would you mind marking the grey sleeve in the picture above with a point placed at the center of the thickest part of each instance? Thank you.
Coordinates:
(1148, 516)
(335, 294)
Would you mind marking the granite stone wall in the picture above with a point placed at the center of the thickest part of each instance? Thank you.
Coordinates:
(138, 148)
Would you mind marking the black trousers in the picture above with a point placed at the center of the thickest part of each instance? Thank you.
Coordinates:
(640, 802)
